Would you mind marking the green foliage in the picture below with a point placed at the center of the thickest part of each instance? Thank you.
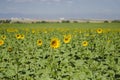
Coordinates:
(100, 60)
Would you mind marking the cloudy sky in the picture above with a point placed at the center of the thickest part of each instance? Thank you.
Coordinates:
(54, 9)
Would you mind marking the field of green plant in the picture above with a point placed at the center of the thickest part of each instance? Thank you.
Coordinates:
(60, 51)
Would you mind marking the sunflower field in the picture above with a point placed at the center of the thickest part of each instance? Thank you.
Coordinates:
(78, 52)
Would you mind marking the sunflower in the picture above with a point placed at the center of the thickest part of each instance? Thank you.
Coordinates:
(87, 34)
(18, 36)
(67, 39)
(69, 36)
(84, 43)
(45, 31)
(55, 43)
(33, 31)
(1, 42)
(9, 49)
(39, 42)
(22, 36)
(3, 37)
(99, 30)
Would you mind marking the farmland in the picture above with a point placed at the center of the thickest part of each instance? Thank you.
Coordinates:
(60, 51)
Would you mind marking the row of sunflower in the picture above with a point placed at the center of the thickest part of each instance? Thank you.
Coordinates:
(45, 30)
(54, 43)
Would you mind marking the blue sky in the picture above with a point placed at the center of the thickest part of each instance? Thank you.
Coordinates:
(54, 9)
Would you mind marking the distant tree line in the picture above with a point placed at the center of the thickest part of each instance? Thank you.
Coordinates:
(63, 21)
(106, 21)
(114, 21)
(5, 21)
(41, 22)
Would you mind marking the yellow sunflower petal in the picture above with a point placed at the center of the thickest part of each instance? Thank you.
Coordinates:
(55, 43)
